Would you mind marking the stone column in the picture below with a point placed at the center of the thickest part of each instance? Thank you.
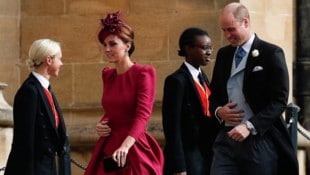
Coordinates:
(6, 111)
(302, 65)
(6, 130)
(302, 73)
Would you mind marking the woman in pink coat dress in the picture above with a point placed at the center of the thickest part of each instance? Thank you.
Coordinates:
(128, 97)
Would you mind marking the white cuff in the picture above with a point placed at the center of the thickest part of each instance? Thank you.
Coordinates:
(218, 118)
(251, 127)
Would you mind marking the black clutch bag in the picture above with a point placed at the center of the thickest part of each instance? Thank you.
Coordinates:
(110, 165)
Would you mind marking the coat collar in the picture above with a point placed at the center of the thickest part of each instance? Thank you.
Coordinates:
(192, 84)
(247, 47)
(252, 58)
(50, 113)
(185, 69)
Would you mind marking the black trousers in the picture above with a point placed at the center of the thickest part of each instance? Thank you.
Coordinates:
(256, 155)
(197, 163)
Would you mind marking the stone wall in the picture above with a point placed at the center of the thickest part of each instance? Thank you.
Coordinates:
(10, 46)
(157, 25)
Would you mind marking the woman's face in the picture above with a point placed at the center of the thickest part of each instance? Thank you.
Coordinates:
(55, 64)
(115, 49)
(199, 54)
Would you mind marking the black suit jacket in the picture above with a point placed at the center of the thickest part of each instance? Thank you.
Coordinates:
(189, 134)
(36, 140)
(266, 91)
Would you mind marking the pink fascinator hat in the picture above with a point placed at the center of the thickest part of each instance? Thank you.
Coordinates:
(111, 25)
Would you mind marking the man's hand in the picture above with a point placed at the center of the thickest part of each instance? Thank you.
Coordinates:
(229, 114)
(239, 132)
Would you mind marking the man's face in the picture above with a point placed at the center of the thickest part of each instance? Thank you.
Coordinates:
(234, 30)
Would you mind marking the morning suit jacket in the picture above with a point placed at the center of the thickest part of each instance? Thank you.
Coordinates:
(36, 140)
(188, 132)
(266, 90)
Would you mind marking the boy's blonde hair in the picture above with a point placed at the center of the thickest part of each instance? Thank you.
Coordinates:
(40, 49)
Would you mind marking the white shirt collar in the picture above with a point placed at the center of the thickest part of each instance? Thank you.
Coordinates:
(247, 46)
(43, 81)
(194, 72)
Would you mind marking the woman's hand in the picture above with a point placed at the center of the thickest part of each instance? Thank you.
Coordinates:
(103, 128)
(120, 154)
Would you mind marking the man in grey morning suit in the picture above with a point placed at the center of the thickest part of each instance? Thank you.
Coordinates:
(250, 98)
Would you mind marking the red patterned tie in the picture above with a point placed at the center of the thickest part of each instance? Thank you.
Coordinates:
(51, 102)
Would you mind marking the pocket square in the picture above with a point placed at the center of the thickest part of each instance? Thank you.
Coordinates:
(257, 68)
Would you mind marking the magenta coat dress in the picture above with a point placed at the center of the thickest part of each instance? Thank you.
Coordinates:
(127, 102)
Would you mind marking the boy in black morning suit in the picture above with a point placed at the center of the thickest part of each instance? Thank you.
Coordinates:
(188, 127)
(40, 142)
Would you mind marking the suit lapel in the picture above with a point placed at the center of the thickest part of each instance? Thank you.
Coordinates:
(229, 55)
(61, 119)
(192, 84)
(251, 60)
(46, 104)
